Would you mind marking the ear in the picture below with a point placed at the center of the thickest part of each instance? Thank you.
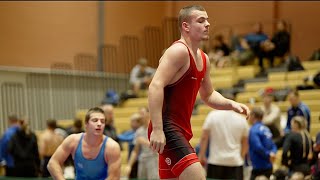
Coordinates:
(185, 26)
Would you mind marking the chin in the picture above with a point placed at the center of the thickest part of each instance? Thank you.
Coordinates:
(205, 38)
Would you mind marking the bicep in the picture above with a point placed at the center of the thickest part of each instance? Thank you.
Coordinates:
(206, 87)
(113, 158)
(62, 152)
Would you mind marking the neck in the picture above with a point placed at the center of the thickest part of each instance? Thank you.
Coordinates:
(93, 140)
(193, 45)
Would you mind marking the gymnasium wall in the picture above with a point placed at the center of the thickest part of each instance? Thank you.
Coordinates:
(36, 34)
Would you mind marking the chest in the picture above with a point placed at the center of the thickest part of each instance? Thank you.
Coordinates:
(90, 152)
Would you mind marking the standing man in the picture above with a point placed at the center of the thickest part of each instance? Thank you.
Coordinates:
(297, 108)
(109, 129)
(182, 71)
(262, 150)
(5, 156)
(228, 133)
(49, 142)
(96, 156)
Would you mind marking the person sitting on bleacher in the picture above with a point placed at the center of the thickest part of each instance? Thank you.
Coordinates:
(259, 43)
(298, 108)
(141, 76)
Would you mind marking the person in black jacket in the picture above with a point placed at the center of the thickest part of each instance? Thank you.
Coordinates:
(299, 144)
(23, 147)
(281, 42)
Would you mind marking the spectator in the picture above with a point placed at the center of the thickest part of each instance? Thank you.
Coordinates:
(76, 128)
(258, 42)
(128, 136)
(272, 113)
(5, 157)
(297, 176)
(228, 134)
(281, 41)
(219, 54)
(141, 76)
(242, 52)
(109, 129)
(23, 147)
(299, 144)
(147, 159)
(316, 150)
(297, 108)
(262, 150)
(48, 144)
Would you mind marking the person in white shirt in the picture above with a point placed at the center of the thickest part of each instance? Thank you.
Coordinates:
(141, 76)
(272, 114)
(227, 132)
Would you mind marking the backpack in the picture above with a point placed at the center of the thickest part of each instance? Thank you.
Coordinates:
(294, 63)
(315, 55)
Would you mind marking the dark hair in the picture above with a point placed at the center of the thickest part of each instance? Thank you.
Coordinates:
(257, 112)
(294, 92)
(92, 110)
(77, 123)
(51, 123)
(185, 12)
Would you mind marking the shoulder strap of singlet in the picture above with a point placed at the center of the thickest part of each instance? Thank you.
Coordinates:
(203, 56)
(204, 60)
(184, 45)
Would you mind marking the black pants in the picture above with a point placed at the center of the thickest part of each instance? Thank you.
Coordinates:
(260, 172)
(9, 171)
(224, 172)
(45, 172)
(134, 171)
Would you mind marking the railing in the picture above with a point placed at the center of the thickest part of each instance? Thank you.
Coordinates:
(39, 94)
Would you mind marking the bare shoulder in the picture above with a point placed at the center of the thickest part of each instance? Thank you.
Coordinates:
(112, 145)
(72, 140)
(177, 51)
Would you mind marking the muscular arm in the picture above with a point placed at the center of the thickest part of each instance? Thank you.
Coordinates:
(203, 145)
(171, 62)
(244, 146)
(113, 157)
(58, 158)
(214, 99)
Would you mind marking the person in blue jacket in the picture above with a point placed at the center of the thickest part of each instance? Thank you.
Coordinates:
(298, 108)
(5, 158)
(262, 150)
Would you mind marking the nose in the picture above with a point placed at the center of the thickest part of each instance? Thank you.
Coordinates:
(207, 24)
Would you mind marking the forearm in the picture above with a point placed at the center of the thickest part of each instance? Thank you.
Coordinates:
(133, 158)
(244, 147)
(55, 170)
(217, 101)
(203, 146)
(155, 101)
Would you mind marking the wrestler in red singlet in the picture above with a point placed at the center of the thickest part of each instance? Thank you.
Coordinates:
(179, 99)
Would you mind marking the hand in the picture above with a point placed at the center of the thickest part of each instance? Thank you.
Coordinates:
(241, 108)
(157, 141)
(128, 170)
(203, 160)
(272, 157)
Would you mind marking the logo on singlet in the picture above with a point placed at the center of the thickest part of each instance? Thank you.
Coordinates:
(168, 161)
(194, 78)
(80, 165)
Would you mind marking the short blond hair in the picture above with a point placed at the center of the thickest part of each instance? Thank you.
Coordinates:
(185, 12)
